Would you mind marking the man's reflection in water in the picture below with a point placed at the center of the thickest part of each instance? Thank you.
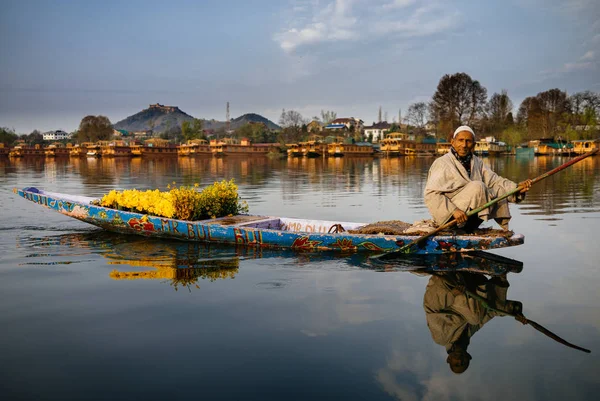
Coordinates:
(453, 316)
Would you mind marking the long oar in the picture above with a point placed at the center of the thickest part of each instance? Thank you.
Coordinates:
(410, 247)
(524, 320)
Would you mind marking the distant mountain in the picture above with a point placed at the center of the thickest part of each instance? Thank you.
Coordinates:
(160, 118)
(157, 118)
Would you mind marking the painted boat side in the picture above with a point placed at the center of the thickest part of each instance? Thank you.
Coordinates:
(265, 233)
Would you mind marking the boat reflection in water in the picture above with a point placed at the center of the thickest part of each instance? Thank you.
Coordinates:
(185, 263)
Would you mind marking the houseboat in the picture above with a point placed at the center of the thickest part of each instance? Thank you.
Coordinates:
(339, 148)
(57, 149)
(4, 150)
(441, 148)
(23, 150)
(114, 149)
(426, 147)
(79, 150)
(549, 147)
(135, 149)
(94, 150)
(294, 150)
(194, 147)
(489, 147)
(581, 146)
(231, 147)
(395, 144)
(158, 147)
(314, 148)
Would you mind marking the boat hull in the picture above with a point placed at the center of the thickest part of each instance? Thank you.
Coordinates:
(258, 231)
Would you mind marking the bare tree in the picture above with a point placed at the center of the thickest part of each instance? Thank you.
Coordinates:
(328, 116)
(291, 118)
(417, 115)
(498, 109)
(584, 105)
(458, 100)
(554, 104)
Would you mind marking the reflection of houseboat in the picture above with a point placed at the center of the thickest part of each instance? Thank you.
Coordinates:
(194, 147)
(57, 149)
(231, 147)
(158, 147)
(294, 150)
(548, 147)
(395, 144)
(79, 150)
(339, 148)
(24, 151)
(581, 146)
(114, 149)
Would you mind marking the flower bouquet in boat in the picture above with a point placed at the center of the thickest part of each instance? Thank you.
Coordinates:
(183, 203)
(216, 214)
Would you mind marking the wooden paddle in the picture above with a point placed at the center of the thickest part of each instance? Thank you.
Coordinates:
(410, 247)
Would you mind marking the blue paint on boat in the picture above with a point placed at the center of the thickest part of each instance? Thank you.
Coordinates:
(257, 231)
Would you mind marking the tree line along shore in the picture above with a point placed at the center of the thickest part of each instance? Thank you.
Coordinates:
(550, 117)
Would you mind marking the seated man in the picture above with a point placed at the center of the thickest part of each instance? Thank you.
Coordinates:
(459, 182)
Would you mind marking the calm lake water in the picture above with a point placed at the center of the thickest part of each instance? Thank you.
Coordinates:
(86, 314)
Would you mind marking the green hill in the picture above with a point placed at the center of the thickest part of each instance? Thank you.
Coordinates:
(159, 118)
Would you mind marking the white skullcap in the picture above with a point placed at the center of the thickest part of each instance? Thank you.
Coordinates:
(463, 128)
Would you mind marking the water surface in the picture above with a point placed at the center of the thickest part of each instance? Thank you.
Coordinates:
(86, 314)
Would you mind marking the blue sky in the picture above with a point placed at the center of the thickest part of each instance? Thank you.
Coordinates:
(62, 60)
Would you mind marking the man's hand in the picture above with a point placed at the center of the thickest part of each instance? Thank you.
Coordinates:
(460, 216)
(526, 185)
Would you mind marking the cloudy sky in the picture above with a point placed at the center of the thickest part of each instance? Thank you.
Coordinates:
(62, 60)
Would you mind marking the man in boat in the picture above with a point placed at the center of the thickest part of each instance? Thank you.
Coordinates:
(453, 317)
(459, 182)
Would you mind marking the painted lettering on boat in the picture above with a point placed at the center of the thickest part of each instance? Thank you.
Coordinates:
(174, 225)
(247, 237)
(190, 230)
(309, 228)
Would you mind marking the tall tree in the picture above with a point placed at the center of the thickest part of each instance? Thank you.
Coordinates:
(192, 129)
(292, 123)
(35, 138)
(498, 109)
(417, 115)
(458, 100)
(8, 136)
(291, 118)
(584, 106)
(555, 106)
(94, 128)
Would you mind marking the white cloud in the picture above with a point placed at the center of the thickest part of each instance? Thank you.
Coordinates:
(588, 56)
(353, 20)
(398, 4)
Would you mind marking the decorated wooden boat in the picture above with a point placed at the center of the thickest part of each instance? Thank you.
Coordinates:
(261, 231)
